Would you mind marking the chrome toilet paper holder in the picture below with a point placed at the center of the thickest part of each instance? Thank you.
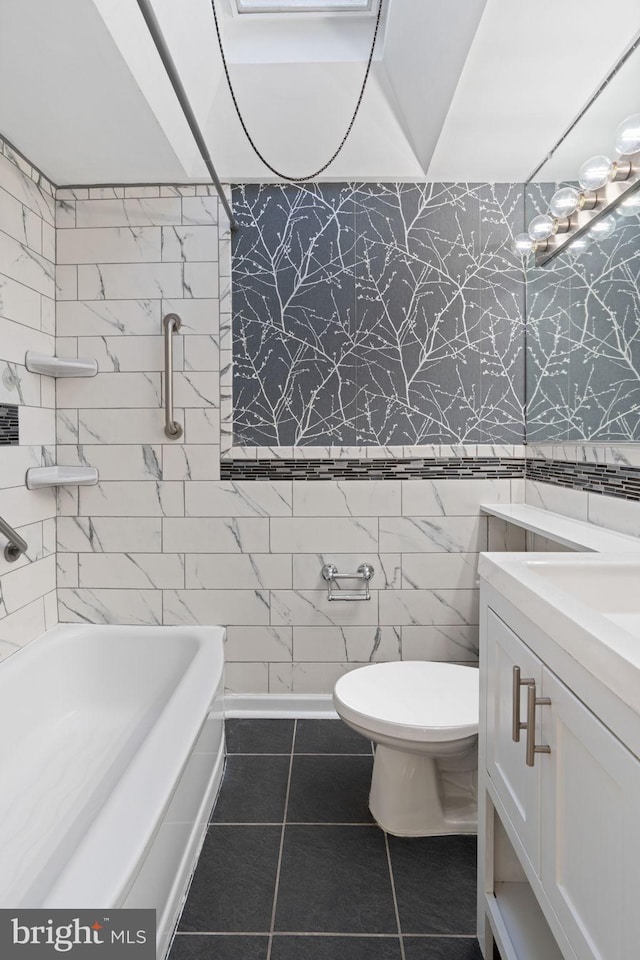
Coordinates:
(364, 573)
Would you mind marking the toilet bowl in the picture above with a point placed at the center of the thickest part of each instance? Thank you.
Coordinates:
(423, 718)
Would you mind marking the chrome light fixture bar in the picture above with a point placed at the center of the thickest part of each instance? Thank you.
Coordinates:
(604, 185)
(304, 6)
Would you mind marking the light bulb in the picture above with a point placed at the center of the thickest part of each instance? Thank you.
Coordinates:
(523, 245)
(596, 173)
(603, 229)
(564, 202)
(627, 138)
(577, 247)
(631, 206)
(541, 228)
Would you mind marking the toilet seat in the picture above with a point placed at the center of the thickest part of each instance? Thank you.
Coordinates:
(411, 699)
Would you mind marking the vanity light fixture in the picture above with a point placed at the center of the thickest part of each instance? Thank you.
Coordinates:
(585, 213)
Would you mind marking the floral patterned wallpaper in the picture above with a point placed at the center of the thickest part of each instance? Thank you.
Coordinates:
(377, 314)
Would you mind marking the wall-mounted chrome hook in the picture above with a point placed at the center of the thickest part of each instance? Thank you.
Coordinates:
(364, 573)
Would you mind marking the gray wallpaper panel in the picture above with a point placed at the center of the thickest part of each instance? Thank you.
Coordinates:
(377, 314)
(583, 338)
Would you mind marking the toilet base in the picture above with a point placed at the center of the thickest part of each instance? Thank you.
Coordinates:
(413, 795)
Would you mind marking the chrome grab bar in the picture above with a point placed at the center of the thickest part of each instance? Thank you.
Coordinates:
(170, 325)
(16, 545)
(364, 572)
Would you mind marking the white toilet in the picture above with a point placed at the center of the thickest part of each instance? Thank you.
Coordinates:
(423, 718)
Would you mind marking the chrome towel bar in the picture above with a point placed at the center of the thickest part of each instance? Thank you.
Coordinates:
(170, 324)
(330, 573)
(16, 545)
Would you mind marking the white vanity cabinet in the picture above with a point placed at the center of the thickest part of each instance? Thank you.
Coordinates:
(571, 821)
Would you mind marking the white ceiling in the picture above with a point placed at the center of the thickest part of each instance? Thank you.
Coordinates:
(479, 90)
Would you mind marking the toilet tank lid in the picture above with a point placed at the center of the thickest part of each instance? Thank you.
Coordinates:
(423, 695)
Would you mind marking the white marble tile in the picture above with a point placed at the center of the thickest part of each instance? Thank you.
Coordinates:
(311, 608)
(131, 570)
(307, 569)
(37, 425)
(26, 584)
(190, 243)
(65, 213)
(129, 354)
(21, 223)
(433, 534)
(382, 453)
(116, 461)
(110, 606)
(548, 496)
(67, 426)
(247, 571)
(517, 490)
(15, 461)
(324, 535)
(202, 425)
(318, 677)
(182, 190)
(200, 280)
(612, 512)
(453, 498)
(66, 286)
(123, 426)
(346, 498)
(421, 607)
(19, 386)
(237, 498)
(126, 499)
(129, 281)
(67, 570)
(246, 678)
(448, 643)
(111, 193)
(72, 193)
(19, 303)
(67, 500)
(269, 644)
(50, 603)
(334, 644)
(199, 317)
(27, 506)
(216, 535)
(190, 462)
(48, 315)
(432, 571)
(110, 534)
(505, 536)
(26, 266)
(24, 625)
(26, 191)
(200, 210)
(97, 318)
(196, 389)
(201, 353)
(107, 390)
(141, 191)
(226, 607)
(110, 245)
(128, 213)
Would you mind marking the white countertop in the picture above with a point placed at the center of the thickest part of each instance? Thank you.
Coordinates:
(576, 534)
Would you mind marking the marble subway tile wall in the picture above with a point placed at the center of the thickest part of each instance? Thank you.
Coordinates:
(161, 539)
(27, 322)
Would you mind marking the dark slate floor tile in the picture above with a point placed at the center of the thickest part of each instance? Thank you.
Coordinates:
(259, 736)
(435, 881)
(442, 948)
(335, 948)
(330, 790)
(335, 880)
(234, 882)
(328, 736)
(193, 946)
(254, 790)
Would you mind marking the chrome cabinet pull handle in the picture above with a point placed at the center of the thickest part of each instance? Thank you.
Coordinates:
(170, 324)
(532, 702)
(516, 725)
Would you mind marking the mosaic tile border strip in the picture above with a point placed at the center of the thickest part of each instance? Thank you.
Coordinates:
(613, 481)
(480, 468)
(9, 430)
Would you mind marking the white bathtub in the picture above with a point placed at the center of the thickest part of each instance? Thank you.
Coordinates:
(111, 754)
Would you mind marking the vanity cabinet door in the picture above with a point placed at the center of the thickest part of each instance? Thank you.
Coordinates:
(517, 785)
(590, 855)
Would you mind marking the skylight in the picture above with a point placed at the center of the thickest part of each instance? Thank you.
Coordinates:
(304, 6)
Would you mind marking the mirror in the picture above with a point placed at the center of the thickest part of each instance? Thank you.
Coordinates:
(583, 306)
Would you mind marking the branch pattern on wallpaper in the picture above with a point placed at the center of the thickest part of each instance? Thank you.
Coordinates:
(377, 314)
(583, 337)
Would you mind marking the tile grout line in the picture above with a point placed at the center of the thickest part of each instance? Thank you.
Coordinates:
(393, 892)
(284, 823)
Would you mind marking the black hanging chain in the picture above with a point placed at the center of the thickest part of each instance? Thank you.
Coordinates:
(283, 176)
